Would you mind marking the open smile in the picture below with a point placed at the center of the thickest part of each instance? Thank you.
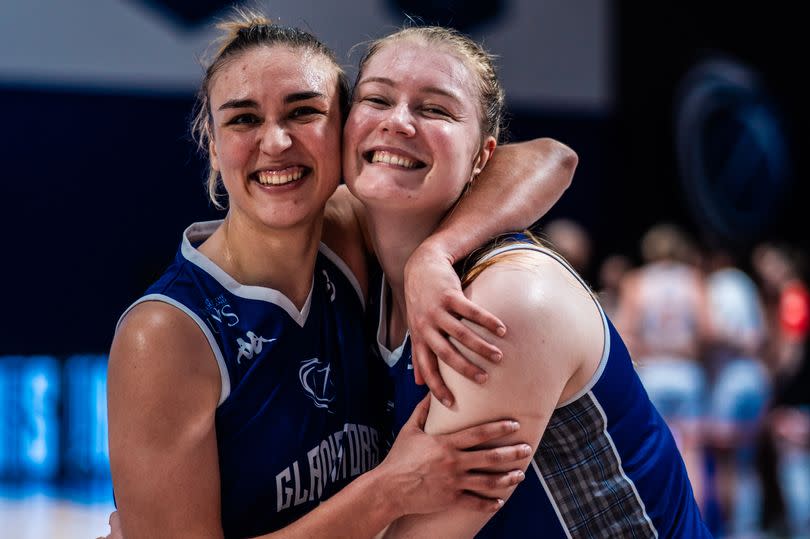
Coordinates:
(281, 176)
(392, 158)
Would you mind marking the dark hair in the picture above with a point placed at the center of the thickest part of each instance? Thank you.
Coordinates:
(244, 31)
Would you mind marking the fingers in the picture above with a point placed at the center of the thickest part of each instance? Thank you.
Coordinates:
(473, 502)
(461, 332)
(417, 373)
(417, 419)
(484, 483)
(449, 354)
(479, 434)
(463, 307)
(428, 368)
(496, 456)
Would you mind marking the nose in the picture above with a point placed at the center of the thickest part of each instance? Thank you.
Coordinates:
(274, 139)
(399, 120)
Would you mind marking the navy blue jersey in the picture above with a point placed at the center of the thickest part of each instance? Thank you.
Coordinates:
(607, 464)
(294, 424)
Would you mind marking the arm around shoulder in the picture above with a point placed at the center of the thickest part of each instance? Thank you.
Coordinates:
(552, 347)
(163, 389)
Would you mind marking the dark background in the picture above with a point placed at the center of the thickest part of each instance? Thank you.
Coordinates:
(90, 218)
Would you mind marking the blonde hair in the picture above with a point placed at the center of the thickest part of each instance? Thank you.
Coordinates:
(473, 269)
(478, 60)
(244, 31)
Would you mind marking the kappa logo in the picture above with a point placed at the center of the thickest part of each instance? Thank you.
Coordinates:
(330, 288)
(251, 347)
(315, 377)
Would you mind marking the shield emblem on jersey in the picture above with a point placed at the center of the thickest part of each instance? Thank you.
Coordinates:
(316, 379)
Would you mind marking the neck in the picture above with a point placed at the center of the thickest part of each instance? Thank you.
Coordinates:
(395, 237)
(255, 255)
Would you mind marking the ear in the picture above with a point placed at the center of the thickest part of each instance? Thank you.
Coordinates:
(484, 154)
(212, 154)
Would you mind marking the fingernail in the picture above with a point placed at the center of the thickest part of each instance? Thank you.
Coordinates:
(499, 502)
(526, 450)
(447, 402)
(481, 378)
(497, 356)
(501, 331)
(514, 425)
(519, 475)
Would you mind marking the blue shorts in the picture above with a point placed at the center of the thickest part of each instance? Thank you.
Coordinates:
(741, 392)
(676, 387)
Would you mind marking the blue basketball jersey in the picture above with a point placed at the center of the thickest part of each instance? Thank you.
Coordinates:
(294, 424)
(607, 464)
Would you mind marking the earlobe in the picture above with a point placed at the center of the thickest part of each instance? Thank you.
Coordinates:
(212, 155)
(484, 155)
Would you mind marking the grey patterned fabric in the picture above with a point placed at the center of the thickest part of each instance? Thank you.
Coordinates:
(583, 475)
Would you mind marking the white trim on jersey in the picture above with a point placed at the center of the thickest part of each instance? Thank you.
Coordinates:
(201, 231)
(225, 388)
(619, 462)
(391, 357)
(551, 498)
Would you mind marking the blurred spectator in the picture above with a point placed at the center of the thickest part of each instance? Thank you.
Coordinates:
(611, 272)
(740, 389)
(787, 302)
(785, 448)
(571, 240)
(663, 317)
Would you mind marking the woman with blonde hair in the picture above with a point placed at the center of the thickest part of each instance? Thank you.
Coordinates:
(603, 462)
(240, 399)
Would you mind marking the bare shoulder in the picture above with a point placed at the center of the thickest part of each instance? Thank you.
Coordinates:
(533, 288)
(156, 345)
(163, 387)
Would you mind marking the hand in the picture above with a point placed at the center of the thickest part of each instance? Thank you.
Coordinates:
(435, 304)
(115, 527)
(428, 473)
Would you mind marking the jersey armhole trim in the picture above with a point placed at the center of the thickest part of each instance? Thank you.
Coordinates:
(225, 379)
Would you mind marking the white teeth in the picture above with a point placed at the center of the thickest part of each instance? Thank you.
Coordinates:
(382, 156)
(280, 177)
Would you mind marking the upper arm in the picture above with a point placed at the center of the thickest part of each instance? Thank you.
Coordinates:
(552, 347)
(345, 231)
(163, 389)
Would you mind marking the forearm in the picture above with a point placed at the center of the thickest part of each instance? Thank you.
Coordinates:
(362, 509)
(518, 186)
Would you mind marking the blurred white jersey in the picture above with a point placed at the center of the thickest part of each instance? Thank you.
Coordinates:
(735, 310)
(669, 300)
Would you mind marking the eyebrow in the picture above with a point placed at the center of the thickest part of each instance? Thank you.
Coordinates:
(428, 89)
(251, 104)
(302, 96)
(239, 104)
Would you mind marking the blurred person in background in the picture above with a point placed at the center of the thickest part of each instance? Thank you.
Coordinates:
(611, 273)
(572, 241)
(785, 448)
(664, 319)
(739, 388)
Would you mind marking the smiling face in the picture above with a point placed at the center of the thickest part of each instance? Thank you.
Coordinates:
(276, 134)
(413, 138)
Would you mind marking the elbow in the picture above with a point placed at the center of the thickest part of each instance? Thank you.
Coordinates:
(567, 160)
(553, 156)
